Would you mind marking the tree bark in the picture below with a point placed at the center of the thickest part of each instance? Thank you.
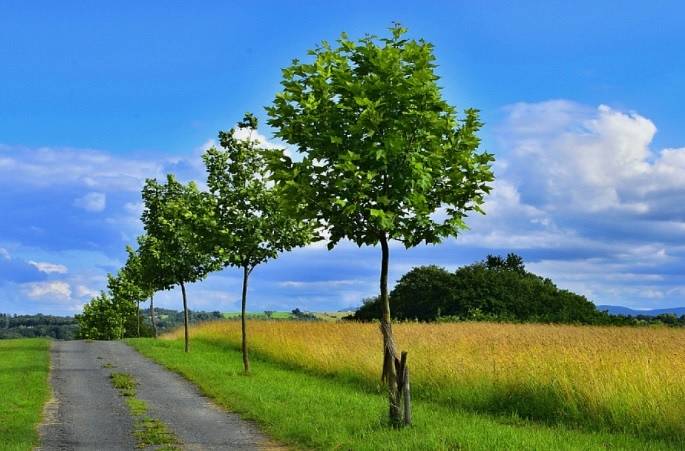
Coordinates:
(152, 315)
(389, 354)
(138, 318)
(246, 359)
(185, 315)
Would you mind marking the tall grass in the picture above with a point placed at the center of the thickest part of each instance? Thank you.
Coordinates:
(311, 411)
(621, 379)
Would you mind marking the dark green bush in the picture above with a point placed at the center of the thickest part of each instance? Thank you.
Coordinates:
(494, 289)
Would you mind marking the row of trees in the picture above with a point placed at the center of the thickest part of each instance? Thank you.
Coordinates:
(381, 157)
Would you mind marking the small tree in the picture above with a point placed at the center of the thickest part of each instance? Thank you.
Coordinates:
(104, 319)
(384, 156)
(251, 228)
(126, 293)
(142, 278)
(149, 272)
(177, 216)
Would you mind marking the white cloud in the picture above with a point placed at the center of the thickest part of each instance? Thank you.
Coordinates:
(4, 254)
(319, 284)
(135, 208)
(48, 268)
(93, 202)
(84, 291)
(565, 168)
(56, 289)
(583, 189)
(91, 168)
(254, 135)
(572, 157)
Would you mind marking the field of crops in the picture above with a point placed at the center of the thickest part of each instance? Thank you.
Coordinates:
(620, 379)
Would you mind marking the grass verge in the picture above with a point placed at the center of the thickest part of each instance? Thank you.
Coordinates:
(312, 411)
(24, 389)
(148, 431)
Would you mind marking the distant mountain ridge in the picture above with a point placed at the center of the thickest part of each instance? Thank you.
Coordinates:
(618, 310)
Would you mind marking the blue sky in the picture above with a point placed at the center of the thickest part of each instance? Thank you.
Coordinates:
(582, 103)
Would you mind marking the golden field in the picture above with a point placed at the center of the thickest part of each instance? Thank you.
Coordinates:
(616, 378)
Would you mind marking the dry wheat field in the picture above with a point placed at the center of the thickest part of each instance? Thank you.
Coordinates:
(621, 379)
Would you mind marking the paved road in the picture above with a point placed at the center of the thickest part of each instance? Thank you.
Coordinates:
(87, 413)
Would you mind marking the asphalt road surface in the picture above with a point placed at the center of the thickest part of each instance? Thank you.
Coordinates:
(87, 413)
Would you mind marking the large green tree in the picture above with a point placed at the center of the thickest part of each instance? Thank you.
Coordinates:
(384, 156)
(177, 217)
(251, 227)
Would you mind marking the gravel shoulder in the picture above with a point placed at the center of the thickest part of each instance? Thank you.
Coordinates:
(88, 413)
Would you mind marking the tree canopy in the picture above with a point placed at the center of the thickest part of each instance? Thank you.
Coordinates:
(251, 228)
(382, 151)
(176, 218)
(496, 288)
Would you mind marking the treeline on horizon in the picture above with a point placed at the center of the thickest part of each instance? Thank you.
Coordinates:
(496, 289)
(67, 327)
(39, 325)
(165, 320)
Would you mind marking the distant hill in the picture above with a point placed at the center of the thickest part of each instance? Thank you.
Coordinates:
(30, 326)
(618, 310)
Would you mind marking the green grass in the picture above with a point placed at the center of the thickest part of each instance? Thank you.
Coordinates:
(259, 315)
(137, 406)
(125, 383)
(306, 410)
(152, 432)
(24, 389)
(148, 431)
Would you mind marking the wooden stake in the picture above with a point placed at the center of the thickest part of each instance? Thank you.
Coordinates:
(406, 391)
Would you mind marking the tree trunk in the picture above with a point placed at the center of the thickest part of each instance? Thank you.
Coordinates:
(185, 314)
(246, 359)
(138, 318)
(389, 353)
(152, 314)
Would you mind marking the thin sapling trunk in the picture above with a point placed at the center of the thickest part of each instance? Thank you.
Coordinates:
(138, 318)
(246, 359)
(185, 315)
(395, 371)
(152, 315)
